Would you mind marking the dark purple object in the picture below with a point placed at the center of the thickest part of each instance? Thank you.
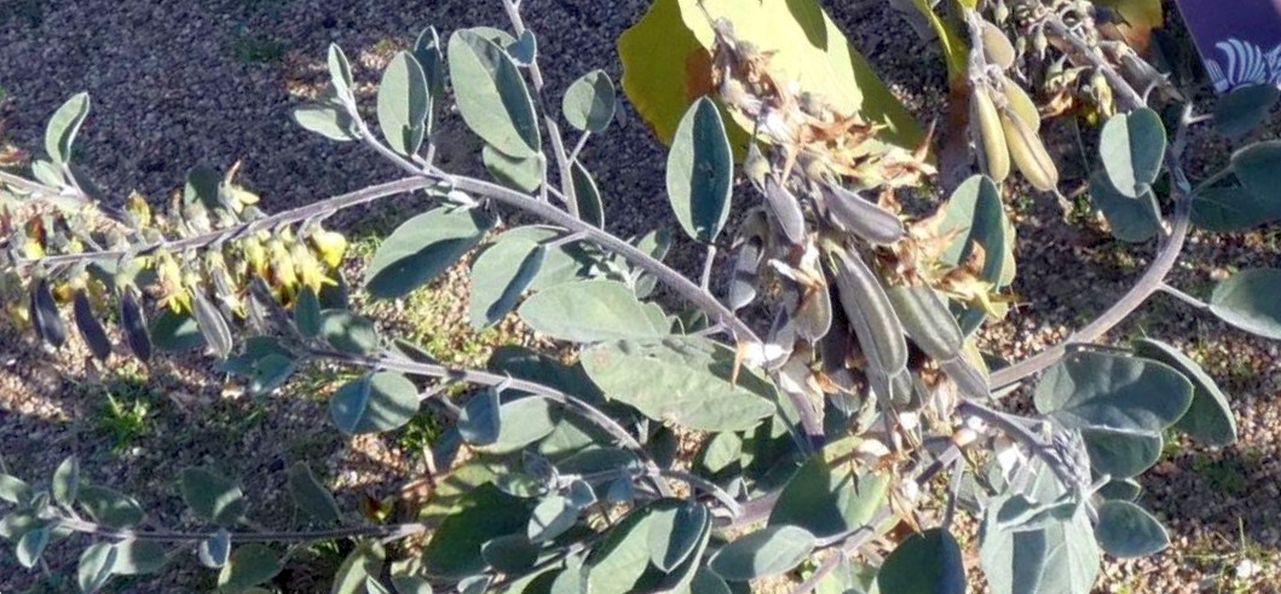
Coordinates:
(1239, 40)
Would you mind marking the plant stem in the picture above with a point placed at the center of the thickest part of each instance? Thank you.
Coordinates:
(388, 531)
(1184, 297)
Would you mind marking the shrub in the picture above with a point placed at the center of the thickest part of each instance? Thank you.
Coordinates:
(830, 386)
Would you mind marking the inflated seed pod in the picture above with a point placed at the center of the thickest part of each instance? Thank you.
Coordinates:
(1028, 153)
(996, 153)
(134, 323)
(91, 329)
(1018, 100)
(863, 218)
(868, 309)
(211, 324)
(44, 314)
(814, 315)
(745, 276)
(786, 210)
(997, 48)
(934, 330)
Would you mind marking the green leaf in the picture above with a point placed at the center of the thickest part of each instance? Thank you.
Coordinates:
(214, 552)
(1061, 557)
(406, 579)
(174, 332)
(684, 380)
(364, 562)
(1209, 418)
(212, 326)
(500, 275)
(250, 565)
(307, 313)
(311, 496)
(590, 206)
(1132, 146)
(479, 422)
(139, 557)
(1120, 404)
(212, 497)
(512, 553)
(60, 134)
(666, 62)
(523, 363)
(925, 563)
(491, 94)
(476, 517)
(1126, 530)
(976, 218)
(551, 518)
(617, 564)
(14, 490)
(1233, 208)
(675, 533)
(348, 332)
(94, 567)
(522, 422)
(31, 546)
(524, 174)
(825, 498)
(427, 52)
(588, 311)
(769, 551)
(1258, 167)
(374, 403)
(1245, 109)
(403, 104)
(109, 507)
(1133, 220)
(327, 119)
(700, 172)
(339, 71)
(1122, 489)
(589, 102)
(1248, 300)
(422, 248)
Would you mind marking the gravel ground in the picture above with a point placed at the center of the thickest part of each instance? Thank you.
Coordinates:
(177, 83)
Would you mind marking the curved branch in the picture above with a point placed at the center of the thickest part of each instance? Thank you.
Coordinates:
(393, 531)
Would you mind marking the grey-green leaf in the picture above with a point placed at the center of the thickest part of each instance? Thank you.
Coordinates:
(1245, 108)
(1088, 390)
(675, 533)
(109, 507)
(310, 495)
(826, 499)
(1233, 208)
(1127, 530)
(139, 557)
(422, 248)
(214, 552)
(685, 380)
(1248, 300)
(552, 517)
(491, 94)
(427, 52)
(250, 565)
(374, 403)
(212, 496)
(1133, 220)
(769, 551)
(589, 311)
(348, 332)
(31, 546)
(500, 275)
(1132, 146)
(66, 481)
(60, 133)
(590, 206)
(589, 102)
(212, 325)
(14, 490)
(479, 422)
(339, 71)
(403, 104)
(1258, 168)
(1209, 418)
(307, 312)
(700, 171)
(327, 119)
(518, 173)
(926, 563)
(364, 562)
(94, 567)
(522, 422)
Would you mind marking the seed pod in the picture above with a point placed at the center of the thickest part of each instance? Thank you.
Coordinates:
(1028, 153)
(90, 328)
(814, 314)
(44, 315)
(786, 210)
(997, 48)
(134, 322)
(861, 217)
(927, 321)
(969, 379)
(211, 325)
(1022, 105)
(743, 279)
(996, 153)
(870, 314)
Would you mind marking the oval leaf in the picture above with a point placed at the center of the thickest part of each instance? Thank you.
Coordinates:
(491, 94)
(589, 311)
(249, 565)
(422, 248)
(1127, 530)
(310, 495)
(212, 496)
(1245, 108)
(374, 403)
(403, 104)
(771, 551)
(1132, 146)
(700, 171)
(1209, 418)
(589, 102)
(925, 563)
(1248, 300)
(63, 126)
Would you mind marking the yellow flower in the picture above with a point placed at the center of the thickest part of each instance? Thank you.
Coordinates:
(330, 246)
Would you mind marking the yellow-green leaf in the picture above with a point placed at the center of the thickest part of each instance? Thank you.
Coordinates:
(667, 64)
